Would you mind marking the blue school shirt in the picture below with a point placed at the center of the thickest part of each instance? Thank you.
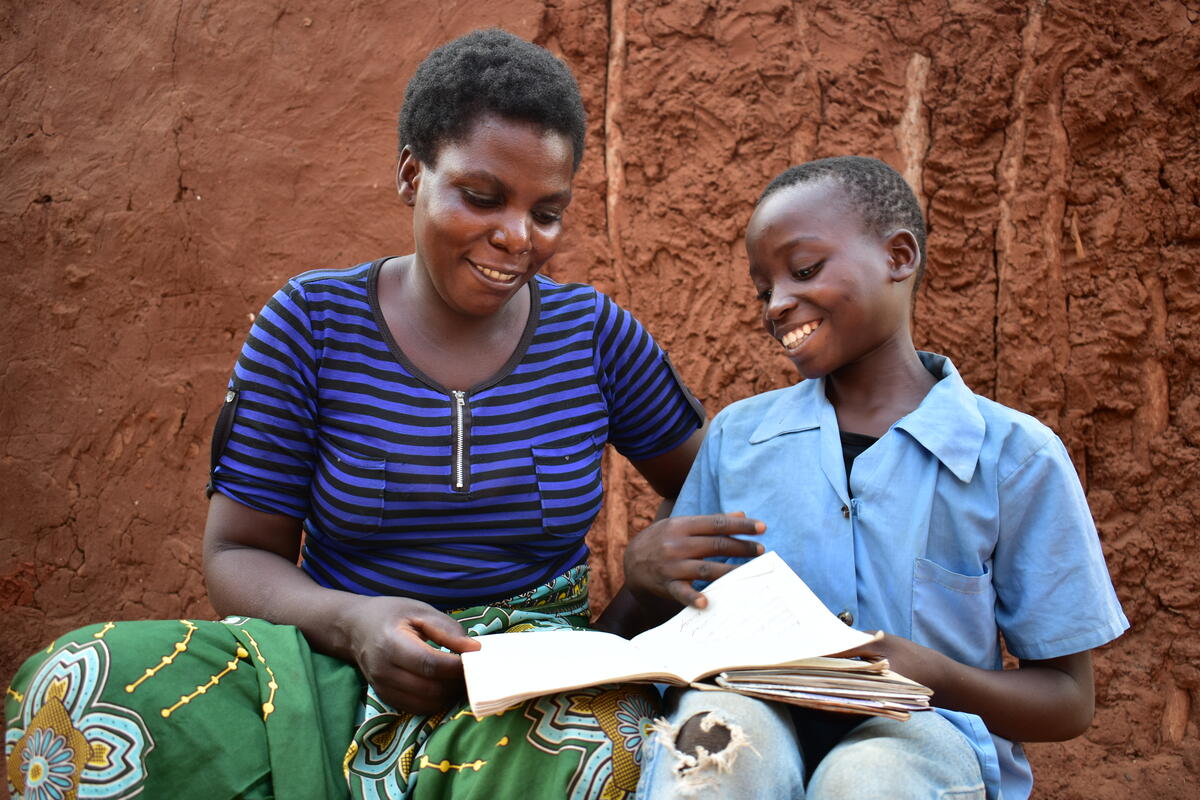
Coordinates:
(965, 521)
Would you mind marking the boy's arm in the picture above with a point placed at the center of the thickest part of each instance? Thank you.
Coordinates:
(1041, 701)
(662, 561)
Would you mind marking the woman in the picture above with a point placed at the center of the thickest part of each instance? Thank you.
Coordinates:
(423, 434)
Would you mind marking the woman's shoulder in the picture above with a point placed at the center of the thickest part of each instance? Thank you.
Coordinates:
(319, 278)
(550, 289)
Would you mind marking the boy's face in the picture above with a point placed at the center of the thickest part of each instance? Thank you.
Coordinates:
(833, 292)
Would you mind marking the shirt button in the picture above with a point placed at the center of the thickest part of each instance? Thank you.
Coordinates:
(846, 617)
(846, 512)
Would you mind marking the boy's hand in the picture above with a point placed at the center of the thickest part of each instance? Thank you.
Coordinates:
(904, 656)
(664, 559)
(1048, 700)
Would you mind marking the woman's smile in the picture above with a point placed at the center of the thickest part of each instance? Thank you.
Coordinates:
(487, 214)
(505, 276)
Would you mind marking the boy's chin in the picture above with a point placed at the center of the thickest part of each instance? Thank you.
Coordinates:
(808, 370)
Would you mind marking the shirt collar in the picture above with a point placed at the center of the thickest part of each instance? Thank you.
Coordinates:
(947, 423)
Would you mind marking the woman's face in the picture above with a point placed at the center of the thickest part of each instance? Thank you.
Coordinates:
(489, 215)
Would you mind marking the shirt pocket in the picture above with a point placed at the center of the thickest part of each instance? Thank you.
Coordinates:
(955, 613)
(569, 486)
(348, 492)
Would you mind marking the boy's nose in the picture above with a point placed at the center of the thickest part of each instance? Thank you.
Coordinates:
(780, 303)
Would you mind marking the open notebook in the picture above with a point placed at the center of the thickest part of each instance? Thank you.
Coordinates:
(764, 634)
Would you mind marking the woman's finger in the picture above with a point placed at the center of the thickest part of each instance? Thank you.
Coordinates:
(412, 654)
(445, 631)
(408, 692)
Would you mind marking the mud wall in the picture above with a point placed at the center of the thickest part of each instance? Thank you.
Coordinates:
(166, 166)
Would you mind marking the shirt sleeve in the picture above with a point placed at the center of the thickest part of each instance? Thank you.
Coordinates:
(1054, 595)
(650, 409)
(266, 458)
(701, 491)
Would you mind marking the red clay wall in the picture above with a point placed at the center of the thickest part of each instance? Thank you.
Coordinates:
(167, 166)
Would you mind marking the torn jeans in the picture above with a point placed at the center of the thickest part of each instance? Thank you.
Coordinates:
(735, 746)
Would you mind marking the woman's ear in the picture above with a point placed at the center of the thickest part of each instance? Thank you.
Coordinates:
(904, 254)
(408, 175)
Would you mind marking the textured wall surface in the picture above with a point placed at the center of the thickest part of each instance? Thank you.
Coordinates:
(167, 166)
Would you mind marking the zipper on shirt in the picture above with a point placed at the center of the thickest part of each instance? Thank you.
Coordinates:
(461, 464)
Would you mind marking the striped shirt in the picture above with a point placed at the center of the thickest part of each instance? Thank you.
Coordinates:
(407, 488)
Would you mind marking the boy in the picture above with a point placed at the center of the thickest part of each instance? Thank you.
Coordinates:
(909, 504)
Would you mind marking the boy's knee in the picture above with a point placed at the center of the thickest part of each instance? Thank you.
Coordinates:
(703, 732)
(921, 758)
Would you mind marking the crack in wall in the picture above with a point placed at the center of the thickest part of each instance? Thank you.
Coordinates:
(616, 500)
(912, 131)
(1008, 173)
(1053, 223)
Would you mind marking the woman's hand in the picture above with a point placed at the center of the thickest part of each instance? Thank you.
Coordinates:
(250, 566)
(388, 638)
(664, 559)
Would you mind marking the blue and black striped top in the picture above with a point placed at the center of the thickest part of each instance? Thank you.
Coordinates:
(406, 488)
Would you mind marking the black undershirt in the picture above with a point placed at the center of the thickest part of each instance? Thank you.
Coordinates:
(853, 445)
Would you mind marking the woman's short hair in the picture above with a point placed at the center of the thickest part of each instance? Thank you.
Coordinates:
(488, 72)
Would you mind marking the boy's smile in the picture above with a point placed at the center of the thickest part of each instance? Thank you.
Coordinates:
(794, 338)
(834, 293)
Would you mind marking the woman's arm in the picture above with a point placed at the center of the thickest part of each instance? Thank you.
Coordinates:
(1041, 701)
(250, 568)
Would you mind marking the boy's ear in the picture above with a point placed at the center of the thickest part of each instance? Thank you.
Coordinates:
(904, 254)
(408, 175)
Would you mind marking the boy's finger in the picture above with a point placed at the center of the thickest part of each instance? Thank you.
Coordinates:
(733, 524)
(728, 546)
(681, 591)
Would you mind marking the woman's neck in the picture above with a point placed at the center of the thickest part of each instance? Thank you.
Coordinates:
(456, 350)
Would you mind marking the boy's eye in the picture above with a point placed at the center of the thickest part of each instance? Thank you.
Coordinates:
(807, 272)
(547, 217)
(764, 295)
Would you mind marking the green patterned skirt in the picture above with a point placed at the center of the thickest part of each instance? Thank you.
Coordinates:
(243, 709)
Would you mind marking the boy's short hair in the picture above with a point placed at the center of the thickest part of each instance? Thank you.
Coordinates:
(877, 192)
(488, 72)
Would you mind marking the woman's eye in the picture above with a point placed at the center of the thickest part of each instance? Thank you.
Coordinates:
(481, 200)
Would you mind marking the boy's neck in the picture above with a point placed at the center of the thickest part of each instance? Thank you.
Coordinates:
(874, 392)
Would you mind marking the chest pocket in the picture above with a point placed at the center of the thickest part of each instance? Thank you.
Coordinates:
(955, 614)
(348, 492)
(569, 486)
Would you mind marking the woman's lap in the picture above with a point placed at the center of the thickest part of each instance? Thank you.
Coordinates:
(181, 709)
(242, 708)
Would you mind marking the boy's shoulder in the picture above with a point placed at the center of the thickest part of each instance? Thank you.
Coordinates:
(1006, 438)
(789, 408)
(1014, 437)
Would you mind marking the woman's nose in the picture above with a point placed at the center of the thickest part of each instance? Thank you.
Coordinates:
(511, 234)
